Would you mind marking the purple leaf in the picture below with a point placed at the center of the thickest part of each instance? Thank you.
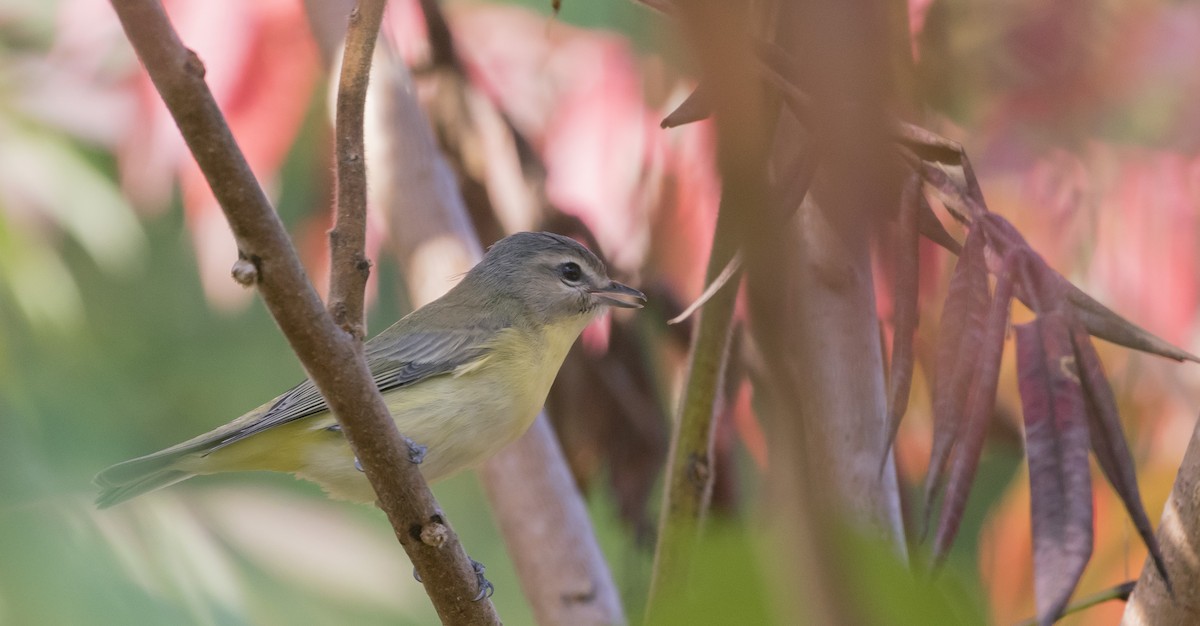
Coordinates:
(981, 400)
(905, 316)
(1108, 441)
(1051, 286)
(927, 144)
(1056, 443)
(1105, 324)
(957, 187)
(933, 229)
(961, 332)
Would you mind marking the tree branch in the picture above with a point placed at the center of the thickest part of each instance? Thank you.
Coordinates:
(349, 267)
(1152, 601)
(332, 358)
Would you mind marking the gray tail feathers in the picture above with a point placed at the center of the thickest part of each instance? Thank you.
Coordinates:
(135, 477)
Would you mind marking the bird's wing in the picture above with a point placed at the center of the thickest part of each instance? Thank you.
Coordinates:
(394, 363)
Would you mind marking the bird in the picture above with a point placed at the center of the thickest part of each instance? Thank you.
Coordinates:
(462, 377)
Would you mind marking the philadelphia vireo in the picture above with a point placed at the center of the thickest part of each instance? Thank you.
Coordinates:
(464, 376)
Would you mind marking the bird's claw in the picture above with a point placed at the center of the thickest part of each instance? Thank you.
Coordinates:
(486, 588)
(358, 464)
(416, 451)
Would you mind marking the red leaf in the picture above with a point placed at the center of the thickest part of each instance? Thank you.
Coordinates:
(1056, 443)
(961, 325)
(1108, 441)
(905, 311)
(981, 400)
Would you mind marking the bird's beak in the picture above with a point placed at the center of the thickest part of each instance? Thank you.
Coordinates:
(618, 295)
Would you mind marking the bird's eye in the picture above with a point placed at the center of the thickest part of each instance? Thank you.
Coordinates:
(570, 271)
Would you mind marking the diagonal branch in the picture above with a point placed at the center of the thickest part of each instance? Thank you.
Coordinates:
(332, 357)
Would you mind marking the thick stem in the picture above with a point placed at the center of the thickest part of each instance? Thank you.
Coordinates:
(829, 325)
(689, 467)
(810, 286)
(1179, 539)
(332, 358)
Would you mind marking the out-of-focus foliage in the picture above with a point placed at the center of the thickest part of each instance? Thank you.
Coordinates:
(52, 163)
(1079, 118)
(1080, 121)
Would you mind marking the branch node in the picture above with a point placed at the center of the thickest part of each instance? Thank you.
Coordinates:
(699, 470)
(435, 534)
(586, 596)
(245, 270)
(192, 65)
(363, 265)
(340, 312)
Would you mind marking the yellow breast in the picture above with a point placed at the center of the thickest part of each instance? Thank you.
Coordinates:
(462, 418)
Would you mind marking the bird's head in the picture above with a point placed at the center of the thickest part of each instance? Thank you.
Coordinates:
(553, 276)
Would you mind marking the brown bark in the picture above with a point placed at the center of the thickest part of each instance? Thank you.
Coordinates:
(1179, 538)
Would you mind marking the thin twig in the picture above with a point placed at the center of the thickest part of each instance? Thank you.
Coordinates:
(1119, 592)
(731, 273)
(349, 267)
(332, 358)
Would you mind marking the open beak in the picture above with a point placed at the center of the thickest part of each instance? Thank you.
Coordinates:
(618, 295)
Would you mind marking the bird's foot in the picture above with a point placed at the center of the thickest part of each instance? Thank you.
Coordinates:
(416, 451)
(486, 588)
(358, 464)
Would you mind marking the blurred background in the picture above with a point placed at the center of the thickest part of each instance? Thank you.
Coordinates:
(121, 332)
